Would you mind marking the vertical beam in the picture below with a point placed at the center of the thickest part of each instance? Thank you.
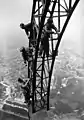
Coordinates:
(54, 5)
(33, 10)
(59, 15)
(52, 43)
(42, 73)
(51, 14)
(28, 71)
(36, 53)
(70, 3)
(58, 43)
(38, 13)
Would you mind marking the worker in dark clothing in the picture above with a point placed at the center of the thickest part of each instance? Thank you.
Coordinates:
(31, 30)
(25, 85)
(50, 25)
(26, 54)
(46, 35)
(28, 29)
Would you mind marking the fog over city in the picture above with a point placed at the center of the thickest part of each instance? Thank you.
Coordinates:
(67, 82)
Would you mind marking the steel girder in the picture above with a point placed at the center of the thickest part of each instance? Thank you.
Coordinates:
(40, 76)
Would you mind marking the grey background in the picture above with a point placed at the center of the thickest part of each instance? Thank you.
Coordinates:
(13, 12)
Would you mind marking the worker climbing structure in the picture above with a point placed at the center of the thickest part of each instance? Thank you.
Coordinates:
(49, 20)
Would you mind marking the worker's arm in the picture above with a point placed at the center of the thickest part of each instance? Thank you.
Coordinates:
(48, 31)
(53, 27)
(24, 85)
(28, 26)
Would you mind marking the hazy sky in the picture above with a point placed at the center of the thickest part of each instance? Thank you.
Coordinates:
(13, 12)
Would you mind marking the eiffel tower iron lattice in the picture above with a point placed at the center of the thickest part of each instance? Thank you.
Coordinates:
(40, 68)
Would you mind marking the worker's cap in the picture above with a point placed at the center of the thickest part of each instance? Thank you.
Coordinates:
(22, 25)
